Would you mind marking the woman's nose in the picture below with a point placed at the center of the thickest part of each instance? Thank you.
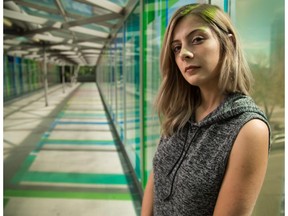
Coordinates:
(186, 53)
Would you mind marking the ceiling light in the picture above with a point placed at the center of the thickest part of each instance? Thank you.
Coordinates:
(12, 42)
(107, 5)
(91, 51)
(60, 47)
(45, 37)
(90, 56)
(33, 49)
(90, 44)
(23, 17)
(88, 31)
(73, 56)
(18, 52)
(32, 56)
(7, 22)
(6, 46)
(57, 25)
(68, 53)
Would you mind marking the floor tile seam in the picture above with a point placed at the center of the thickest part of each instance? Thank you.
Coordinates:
(81, 115)
(102, 120)
(80, 148)
(76, 142)
(83, 111)
(82, 129)
(74, 186)
(78, 122)
(76, 177)
(24, 174)
(46, 139)
(83, 100)
(12, 193)
(89, 100)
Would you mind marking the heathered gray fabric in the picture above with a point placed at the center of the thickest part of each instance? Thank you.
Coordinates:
(187, 178)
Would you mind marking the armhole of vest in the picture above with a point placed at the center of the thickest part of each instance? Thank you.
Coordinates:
(249, 119)
(268, 126)
(238, 131)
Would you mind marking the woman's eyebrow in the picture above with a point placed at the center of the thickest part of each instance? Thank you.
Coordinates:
(202, 29)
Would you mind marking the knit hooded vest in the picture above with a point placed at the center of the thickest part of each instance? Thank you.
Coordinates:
(189, 166)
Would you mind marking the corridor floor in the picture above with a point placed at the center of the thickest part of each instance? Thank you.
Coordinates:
(63, 159)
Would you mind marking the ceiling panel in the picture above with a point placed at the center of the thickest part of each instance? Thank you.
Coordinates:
(70, 31)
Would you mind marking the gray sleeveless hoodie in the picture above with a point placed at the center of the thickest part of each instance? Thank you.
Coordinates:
(189, 166)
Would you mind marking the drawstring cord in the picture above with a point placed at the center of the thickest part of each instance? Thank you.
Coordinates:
(180, 154)
(185, 153)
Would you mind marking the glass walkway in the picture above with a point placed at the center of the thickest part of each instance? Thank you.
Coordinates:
(64, 159)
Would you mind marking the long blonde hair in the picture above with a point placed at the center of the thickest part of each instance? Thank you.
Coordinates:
(177, 99)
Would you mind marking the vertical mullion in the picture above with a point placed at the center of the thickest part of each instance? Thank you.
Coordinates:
(142, 93)
(124, 83)
(45, 77)
(116, 85)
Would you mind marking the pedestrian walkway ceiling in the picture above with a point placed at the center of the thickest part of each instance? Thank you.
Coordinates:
(67, 31)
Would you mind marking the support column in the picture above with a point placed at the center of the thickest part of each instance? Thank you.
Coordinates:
(45, 76)
(76, 73)
(16, 85)
(71, 74)
(63, 78)
(29, 75)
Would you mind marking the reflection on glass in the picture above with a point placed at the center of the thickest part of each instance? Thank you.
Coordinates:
(262, 34)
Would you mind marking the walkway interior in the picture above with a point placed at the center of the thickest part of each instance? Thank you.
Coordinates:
(64, 159)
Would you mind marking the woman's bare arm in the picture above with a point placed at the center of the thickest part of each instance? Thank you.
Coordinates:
(245, 171)
(147, 203)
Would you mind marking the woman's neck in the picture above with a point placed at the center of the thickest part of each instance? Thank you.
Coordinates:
(209, 102)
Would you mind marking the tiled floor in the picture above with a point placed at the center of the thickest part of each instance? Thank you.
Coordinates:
(63, 159)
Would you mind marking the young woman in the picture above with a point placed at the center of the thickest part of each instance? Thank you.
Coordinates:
(213, 152)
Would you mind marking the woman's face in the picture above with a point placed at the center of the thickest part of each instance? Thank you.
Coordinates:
(197, 51)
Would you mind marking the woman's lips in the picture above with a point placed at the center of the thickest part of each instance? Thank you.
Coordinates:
(191, 68)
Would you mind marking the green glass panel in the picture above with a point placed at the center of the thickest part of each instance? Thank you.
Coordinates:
(155, 17)
(132, 89)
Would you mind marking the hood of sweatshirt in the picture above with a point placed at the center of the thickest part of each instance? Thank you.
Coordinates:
(233, 105)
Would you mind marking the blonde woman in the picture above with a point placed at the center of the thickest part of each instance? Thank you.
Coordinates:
(213, 152)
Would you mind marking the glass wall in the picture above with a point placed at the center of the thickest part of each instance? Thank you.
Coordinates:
(154, 18)
(25, 75)
(261, 27)
(118, 76)
(132, 89)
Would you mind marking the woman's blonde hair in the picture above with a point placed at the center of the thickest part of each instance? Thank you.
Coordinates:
(177, 99)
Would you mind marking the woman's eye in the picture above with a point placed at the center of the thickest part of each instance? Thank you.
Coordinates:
(197, 40)
(176, 49)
